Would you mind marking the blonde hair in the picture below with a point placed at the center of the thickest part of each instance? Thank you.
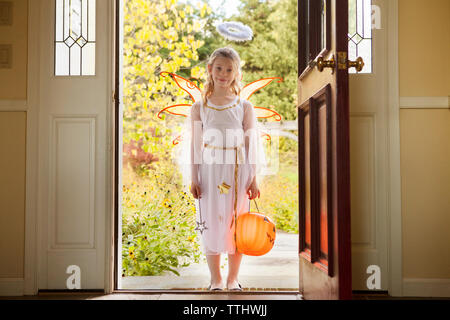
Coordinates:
(226, 52)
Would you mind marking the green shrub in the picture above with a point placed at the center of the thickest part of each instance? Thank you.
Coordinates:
(158, 222)
(279, 200)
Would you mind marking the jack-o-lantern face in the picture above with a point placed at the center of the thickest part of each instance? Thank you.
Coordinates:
(255, 234)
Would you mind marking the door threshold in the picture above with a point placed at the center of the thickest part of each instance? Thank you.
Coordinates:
(263, 291)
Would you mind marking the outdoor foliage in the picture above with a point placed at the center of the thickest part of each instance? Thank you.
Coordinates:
(272, 52)
(158, 224)
(279, 192)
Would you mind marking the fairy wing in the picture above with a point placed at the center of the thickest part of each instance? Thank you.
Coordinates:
(195, 94)
(177, 109)
(254, 86)
(177, 140)
(188, 86)
(181, 109)
(268, 137)
(265, 113)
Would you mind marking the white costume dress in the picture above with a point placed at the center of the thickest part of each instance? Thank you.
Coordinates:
(226, 151)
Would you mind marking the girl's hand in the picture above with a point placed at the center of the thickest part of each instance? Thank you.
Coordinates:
(253, 190)
(195, 190)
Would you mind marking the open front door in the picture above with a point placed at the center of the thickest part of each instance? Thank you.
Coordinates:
(324, 170)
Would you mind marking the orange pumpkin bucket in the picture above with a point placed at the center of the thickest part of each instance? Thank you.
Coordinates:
(255, 233)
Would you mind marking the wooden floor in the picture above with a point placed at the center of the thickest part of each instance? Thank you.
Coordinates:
(385, 296)
(196, 296)
(159, 296)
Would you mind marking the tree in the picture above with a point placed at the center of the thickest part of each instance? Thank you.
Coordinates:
(272, 52)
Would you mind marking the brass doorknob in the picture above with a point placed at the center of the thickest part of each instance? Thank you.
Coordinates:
(358, 64)
(321, 63)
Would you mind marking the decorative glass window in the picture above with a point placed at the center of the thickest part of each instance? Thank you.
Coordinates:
(314, 32)
(75, 37)
(360, 33)
(324, 24)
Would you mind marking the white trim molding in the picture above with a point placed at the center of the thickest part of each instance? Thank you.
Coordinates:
(110, 253)
(425, 102)
(416, 287)
(11, 287)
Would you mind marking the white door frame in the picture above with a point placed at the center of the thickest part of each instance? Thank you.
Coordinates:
(30, 283)
(394, 215)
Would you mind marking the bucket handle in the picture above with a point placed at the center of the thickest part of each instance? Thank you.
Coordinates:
(255, 204)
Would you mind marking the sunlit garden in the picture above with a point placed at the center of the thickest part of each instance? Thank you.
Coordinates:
(158, 211)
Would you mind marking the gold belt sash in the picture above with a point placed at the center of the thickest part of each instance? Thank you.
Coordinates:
(238, 150)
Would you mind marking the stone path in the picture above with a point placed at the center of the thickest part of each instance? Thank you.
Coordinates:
(277, 270)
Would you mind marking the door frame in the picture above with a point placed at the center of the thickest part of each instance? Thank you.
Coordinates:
(114, 234)
(29, 284)
(394, 214)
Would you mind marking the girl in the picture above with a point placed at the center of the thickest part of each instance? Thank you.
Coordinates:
(224, 143)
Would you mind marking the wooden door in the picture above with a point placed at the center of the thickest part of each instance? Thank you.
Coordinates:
(324, 168)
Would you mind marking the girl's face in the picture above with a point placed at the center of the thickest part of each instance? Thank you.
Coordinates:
(222, 72)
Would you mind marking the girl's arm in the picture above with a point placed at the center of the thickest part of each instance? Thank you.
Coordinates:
(196, 141)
